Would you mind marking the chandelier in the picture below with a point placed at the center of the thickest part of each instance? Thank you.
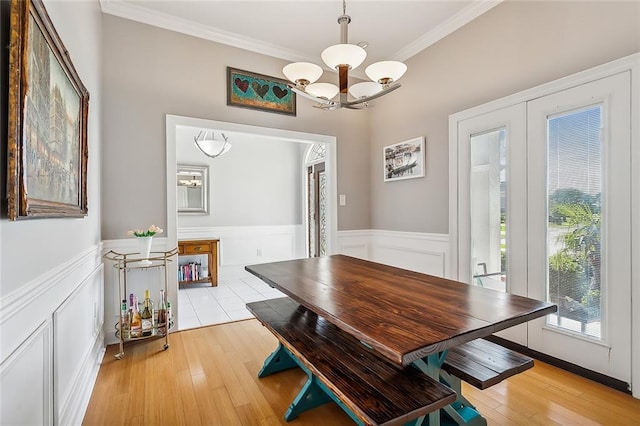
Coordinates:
(344, 57)
(210, 146)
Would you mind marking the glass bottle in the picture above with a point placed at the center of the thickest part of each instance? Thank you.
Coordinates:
(124, 319)
(147, 315)
(135, 321)
(162, 313)
(169, 316)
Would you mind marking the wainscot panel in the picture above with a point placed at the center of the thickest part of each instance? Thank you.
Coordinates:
(27, 381)
(78, 342)
(420, 252)
(57, 316)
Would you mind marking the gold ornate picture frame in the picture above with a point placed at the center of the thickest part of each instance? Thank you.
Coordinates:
(48, 110)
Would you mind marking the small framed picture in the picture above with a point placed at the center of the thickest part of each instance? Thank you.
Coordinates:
(257, 91)
(404, 160)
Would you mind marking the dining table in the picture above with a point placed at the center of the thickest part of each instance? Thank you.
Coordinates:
(410, 318)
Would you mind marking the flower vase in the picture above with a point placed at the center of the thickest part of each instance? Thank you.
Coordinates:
(144, 248)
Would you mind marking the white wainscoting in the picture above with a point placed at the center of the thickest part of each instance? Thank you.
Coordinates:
(416, 251)
(78, 342)
(247, 245)
(52, 343)
(26, 381)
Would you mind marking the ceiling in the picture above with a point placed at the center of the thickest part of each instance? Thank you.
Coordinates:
(299, 30)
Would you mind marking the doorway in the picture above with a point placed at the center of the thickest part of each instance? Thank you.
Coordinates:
(228, 250)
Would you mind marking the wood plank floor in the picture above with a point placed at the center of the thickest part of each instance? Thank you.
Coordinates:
(208, 376)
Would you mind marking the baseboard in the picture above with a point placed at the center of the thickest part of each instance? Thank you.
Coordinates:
(616, 384)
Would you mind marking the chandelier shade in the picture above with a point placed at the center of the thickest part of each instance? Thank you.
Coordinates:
(386, 72)
(323, 90)
(344, 57)
(301, 72)
(344, 54)
(210, 146)
(364, 89)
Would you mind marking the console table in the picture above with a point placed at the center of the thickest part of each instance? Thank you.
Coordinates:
(196, 247)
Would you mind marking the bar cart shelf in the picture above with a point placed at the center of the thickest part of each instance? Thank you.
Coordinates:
(125, 262)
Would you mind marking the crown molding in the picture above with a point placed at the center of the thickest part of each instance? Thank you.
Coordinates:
(457, 21)
(185, 26)
(137, 13)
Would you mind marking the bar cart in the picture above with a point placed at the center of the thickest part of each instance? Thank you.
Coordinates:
(125, 262)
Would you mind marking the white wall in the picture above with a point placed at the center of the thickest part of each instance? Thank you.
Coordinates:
(51, 271)
(257, 183)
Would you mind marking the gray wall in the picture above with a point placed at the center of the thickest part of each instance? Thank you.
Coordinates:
(257, 183)
(33, 247)
(515, 46)
(149, 72)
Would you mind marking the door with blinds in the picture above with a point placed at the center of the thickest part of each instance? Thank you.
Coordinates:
(543, 209)
(579, 190)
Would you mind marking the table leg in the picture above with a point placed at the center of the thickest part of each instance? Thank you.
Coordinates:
(461, 412)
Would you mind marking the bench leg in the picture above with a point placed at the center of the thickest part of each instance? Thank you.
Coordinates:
(311, 396)
(279, 360)
(462, 412)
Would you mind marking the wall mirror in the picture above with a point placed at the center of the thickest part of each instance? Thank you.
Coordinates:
(192, 189)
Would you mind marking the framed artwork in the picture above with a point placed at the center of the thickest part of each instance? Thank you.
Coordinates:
(48, 109)
(404, 160)
(257, 91)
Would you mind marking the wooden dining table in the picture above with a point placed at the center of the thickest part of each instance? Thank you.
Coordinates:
(408, 317)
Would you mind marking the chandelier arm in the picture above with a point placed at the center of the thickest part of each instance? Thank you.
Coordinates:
(358, 106)
(374, 96)
(310, 96)
(328, 107)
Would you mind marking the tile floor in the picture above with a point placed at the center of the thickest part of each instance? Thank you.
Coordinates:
(206, 305)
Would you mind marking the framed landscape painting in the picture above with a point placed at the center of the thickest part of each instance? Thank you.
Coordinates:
(48, 109)
(404, 160)
(251, 90)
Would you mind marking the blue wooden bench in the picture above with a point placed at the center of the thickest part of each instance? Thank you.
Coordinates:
(370, 389)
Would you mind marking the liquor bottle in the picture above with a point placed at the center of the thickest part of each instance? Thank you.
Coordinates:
(135, 321)
(162, 313)
(169, 316)
(147, 315)
(124, 319)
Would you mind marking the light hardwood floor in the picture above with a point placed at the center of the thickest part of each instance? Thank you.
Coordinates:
(208, 376)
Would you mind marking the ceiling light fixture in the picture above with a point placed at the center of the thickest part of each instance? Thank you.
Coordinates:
(211, 147)
(343, 57)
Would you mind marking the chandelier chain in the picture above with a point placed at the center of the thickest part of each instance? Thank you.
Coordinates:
(344, 7)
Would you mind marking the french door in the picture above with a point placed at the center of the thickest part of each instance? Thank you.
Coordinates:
(579, 190)
(492, 209)
(543, 210)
